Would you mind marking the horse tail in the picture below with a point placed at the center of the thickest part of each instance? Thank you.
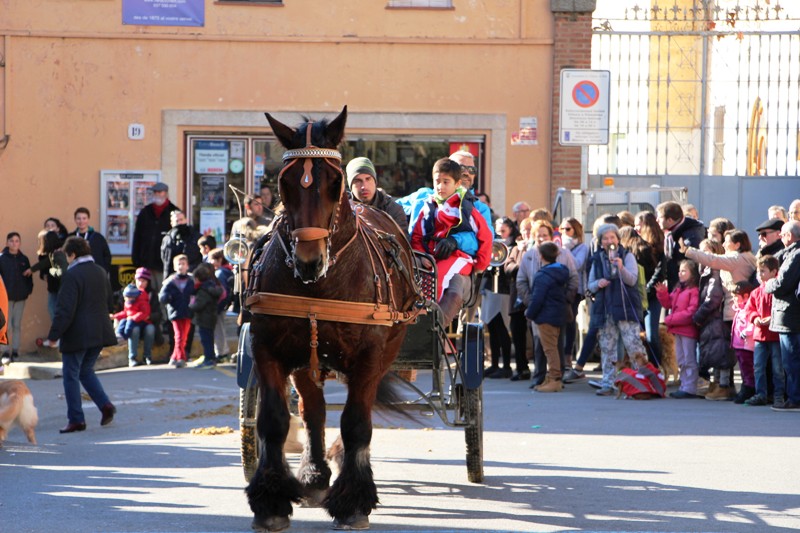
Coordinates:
(389, 400)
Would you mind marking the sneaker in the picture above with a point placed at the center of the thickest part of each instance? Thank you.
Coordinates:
(180, 363)
(703, 386)
(605, 391)
(787, 407)
(779, 403)
(756, 400)
(207, 363)
(6, 358)
(595, 384)
(721, 394)
(573, 375)
(132, 363)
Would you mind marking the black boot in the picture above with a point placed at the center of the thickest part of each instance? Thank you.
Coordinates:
(745, 393)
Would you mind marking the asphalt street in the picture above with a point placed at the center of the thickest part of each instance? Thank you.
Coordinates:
(553, 462)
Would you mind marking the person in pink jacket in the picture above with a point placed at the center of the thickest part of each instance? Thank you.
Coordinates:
(682, 302)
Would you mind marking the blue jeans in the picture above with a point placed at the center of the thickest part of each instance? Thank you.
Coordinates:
(78, 369)
(133, 341)
(207, 340)
(52, 298)
(651, 320)
(790, 355)
(766, 351)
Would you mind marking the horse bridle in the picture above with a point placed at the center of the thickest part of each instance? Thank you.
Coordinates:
(333, 158)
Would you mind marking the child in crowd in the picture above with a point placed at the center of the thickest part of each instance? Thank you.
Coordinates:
(445, 213)
(15, 269)
(767, 343)
(682, 303)
(147, 331)
(224, 273)
(135, 313)
(176, 294)
(714, 340)
(207, 294)
(206, 243)
(548, 300)
(743, 345)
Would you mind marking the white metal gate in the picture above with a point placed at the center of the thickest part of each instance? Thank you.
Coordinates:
(699, 87)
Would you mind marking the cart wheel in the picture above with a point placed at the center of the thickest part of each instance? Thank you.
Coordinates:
(469, 403)
(250, 443)
(473, 433)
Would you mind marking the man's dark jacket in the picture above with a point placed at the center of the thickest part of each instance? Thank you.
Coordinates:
(386, 203)
(785, 305)
(99, 246)
(12, 266)
(84, 302)
(148, 234)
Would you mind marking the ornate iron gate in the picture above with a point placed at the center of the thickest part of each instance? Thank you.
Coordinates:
(699, 87)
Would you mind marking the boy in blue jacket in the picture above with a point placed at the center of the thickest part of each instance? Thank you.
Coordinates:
(547, 307)
(176, 293)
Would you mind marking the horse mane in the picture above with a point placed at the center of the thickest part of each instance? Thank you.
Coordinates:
(317, 133)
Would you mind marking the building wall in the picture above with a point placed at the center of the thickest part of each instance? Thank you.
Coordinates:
(74, 78)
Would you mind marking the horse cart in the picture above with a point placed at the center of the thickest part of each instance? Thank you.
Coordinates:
(333, 290)
(450, 367)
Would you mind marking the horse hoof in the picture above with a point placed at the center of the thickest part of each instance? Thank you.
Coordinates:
(314, 497)
(357, 521)
(270, 524)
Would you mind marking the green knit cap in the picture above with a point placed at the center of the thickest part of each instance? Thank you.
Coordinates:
(360, 165)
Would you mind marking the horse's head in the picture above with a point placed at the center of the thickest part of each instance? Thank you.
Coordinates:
(311, 185)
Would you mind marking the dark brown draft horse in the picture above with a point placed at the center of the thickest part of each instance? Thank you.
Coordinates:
(332, 291)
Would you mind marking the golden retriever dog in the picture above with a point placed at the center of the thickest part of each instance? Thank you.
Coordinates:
(16, 405)
(669, 364)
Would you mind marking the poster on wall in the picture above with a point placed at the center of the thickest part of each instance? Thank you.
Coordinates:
(212, 222)
(212, 188)
(125, 193)
(118, 229)
(211, 157)
(164, 12)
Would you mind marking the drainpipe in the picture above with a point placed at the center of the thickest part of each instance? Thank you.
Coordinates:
(4, 136)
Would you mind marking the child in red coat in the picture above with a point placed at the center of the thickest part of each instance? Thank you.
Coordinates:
(767, 343)
(682, 302)
(136, 312)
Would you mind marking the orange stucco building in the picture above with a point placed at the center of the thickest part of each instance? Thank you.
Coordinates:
(83, 95)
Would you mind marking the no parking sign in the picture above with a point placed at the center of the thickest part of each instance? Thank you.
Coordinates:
(583, 118)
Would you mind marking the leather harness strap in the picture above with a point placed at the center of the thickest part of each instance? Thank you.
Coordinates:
(268, 303)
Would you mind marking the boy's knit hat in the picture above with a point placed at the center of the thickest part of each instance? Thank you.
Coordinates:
(131, 291)
(360, 165)
(143, 273)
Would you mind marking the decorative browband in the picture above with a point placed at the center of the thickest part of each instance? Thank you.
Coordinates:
(301, 153)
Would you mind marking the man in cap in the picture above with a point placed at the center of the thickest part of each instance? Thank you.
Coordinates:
(362, 181)
(785, 317)
(769, 237)
(152, 223)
